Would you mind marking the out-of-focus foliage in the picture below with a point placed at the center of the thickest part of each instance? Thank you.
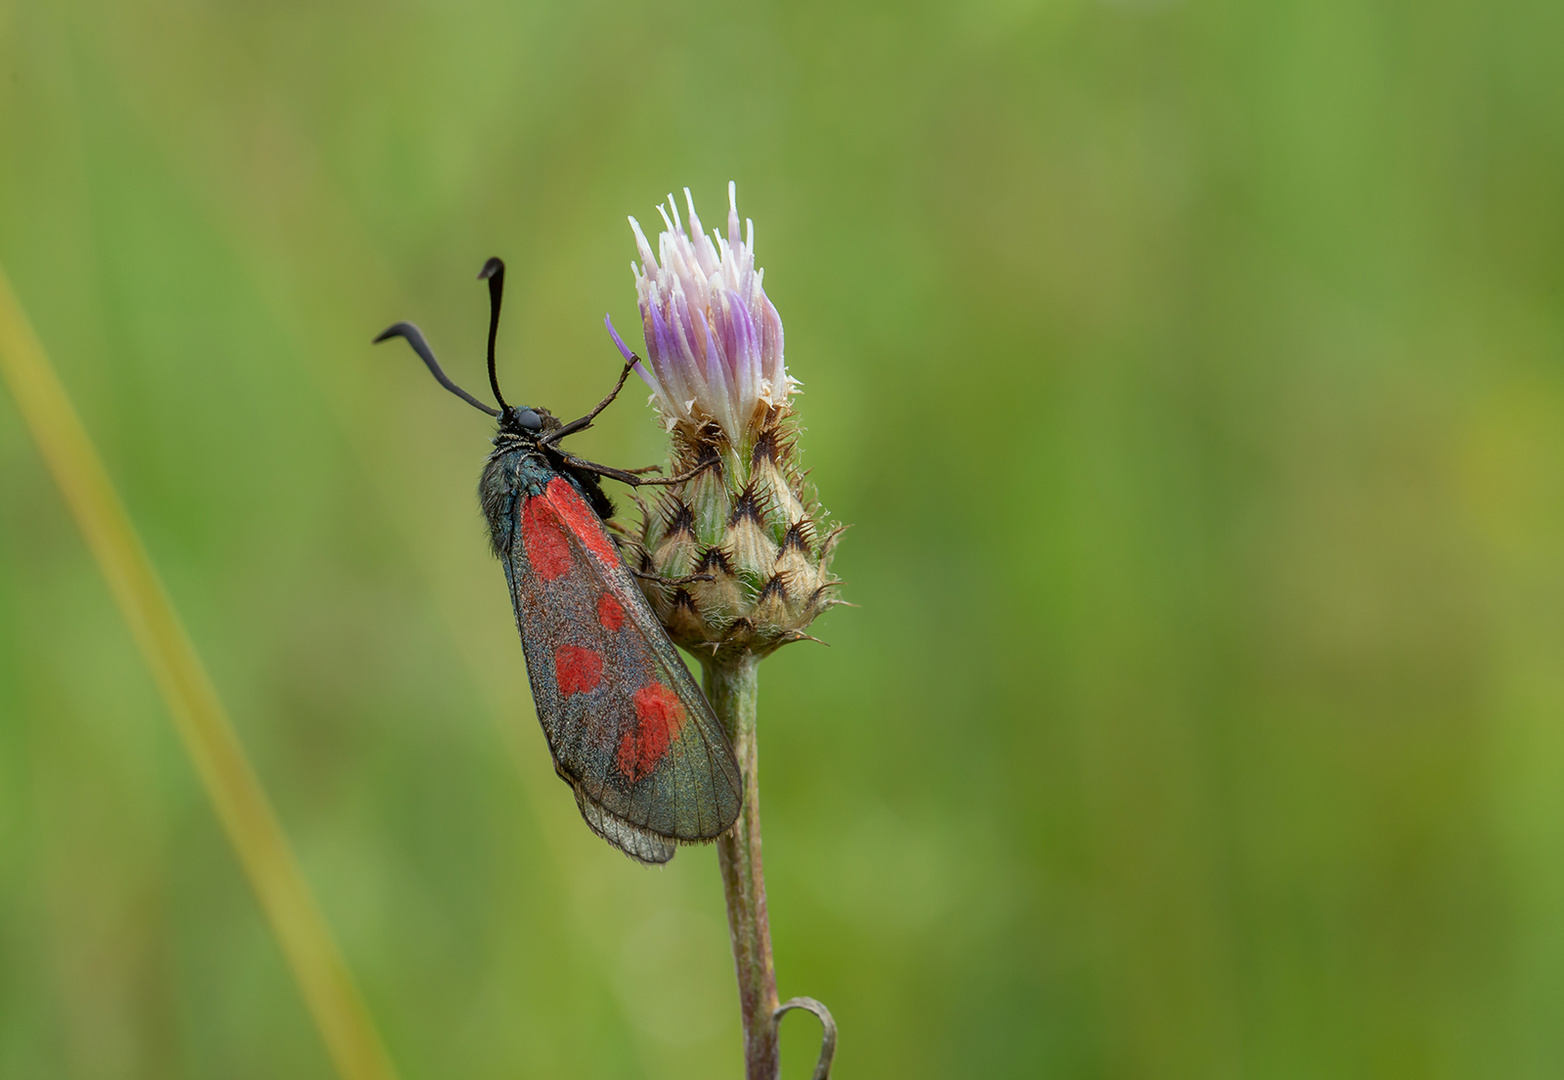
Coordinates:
(1191, 372)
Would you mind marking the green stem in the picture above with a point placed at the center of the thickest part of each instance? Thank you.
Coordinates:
(733, 686)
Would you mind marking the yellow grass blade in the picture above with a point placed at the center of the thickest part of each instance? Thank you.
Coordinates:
(203, 725)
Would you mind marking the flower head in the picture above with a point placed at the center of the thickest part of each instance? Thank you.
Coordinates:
(736, 559)
(713, 338)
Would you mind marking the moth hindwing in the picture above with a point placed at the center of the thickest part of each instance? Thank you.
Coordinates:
(628, 728)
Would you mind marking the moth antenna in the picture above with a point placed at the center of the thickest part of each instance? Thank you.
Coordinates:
(494, 271)
(415, 338)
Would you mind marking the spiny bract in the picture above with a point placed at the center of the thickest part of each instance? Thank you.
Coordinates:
(750, 523)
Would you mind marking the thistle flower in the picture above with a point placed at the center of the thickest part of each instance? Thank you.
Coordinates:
(749, 522)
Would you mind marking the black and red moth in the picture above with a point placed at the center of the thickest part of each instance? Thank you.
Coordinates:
(628, 728)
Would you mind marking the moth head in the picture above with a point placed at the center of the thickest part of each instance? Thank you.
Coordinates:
(521, 420)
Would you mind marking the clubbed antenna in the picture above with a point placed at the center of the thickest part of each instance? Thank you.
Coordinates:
(415, 338)
(494, 271)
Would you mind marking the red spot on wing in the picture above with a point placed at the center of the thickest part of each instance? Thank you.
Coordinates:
(577, 670)
(609, 613)
(543, 533)
(579, 519)
(659, 716)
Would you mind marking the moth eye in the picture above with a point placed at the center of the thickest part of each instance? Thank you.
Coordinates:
(528, 419)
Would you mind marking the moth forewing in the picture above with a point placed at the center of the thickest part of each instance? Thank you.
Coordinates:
(627, 725)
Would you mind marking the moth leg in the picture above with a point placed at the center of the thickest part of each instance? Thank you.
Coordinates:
(586, 421)
(601, 470)
(686, 580)
(628, 477)
(688, 474)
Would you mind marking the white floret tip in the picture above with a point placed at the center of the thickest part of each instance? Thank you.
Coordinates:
(713, 338)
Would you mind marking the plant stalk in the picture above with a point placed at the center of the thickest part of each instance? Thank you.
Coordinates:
(733, 687)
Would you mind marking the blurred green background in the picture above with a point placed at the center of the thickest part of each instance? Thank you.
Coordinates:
(1190, 371)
